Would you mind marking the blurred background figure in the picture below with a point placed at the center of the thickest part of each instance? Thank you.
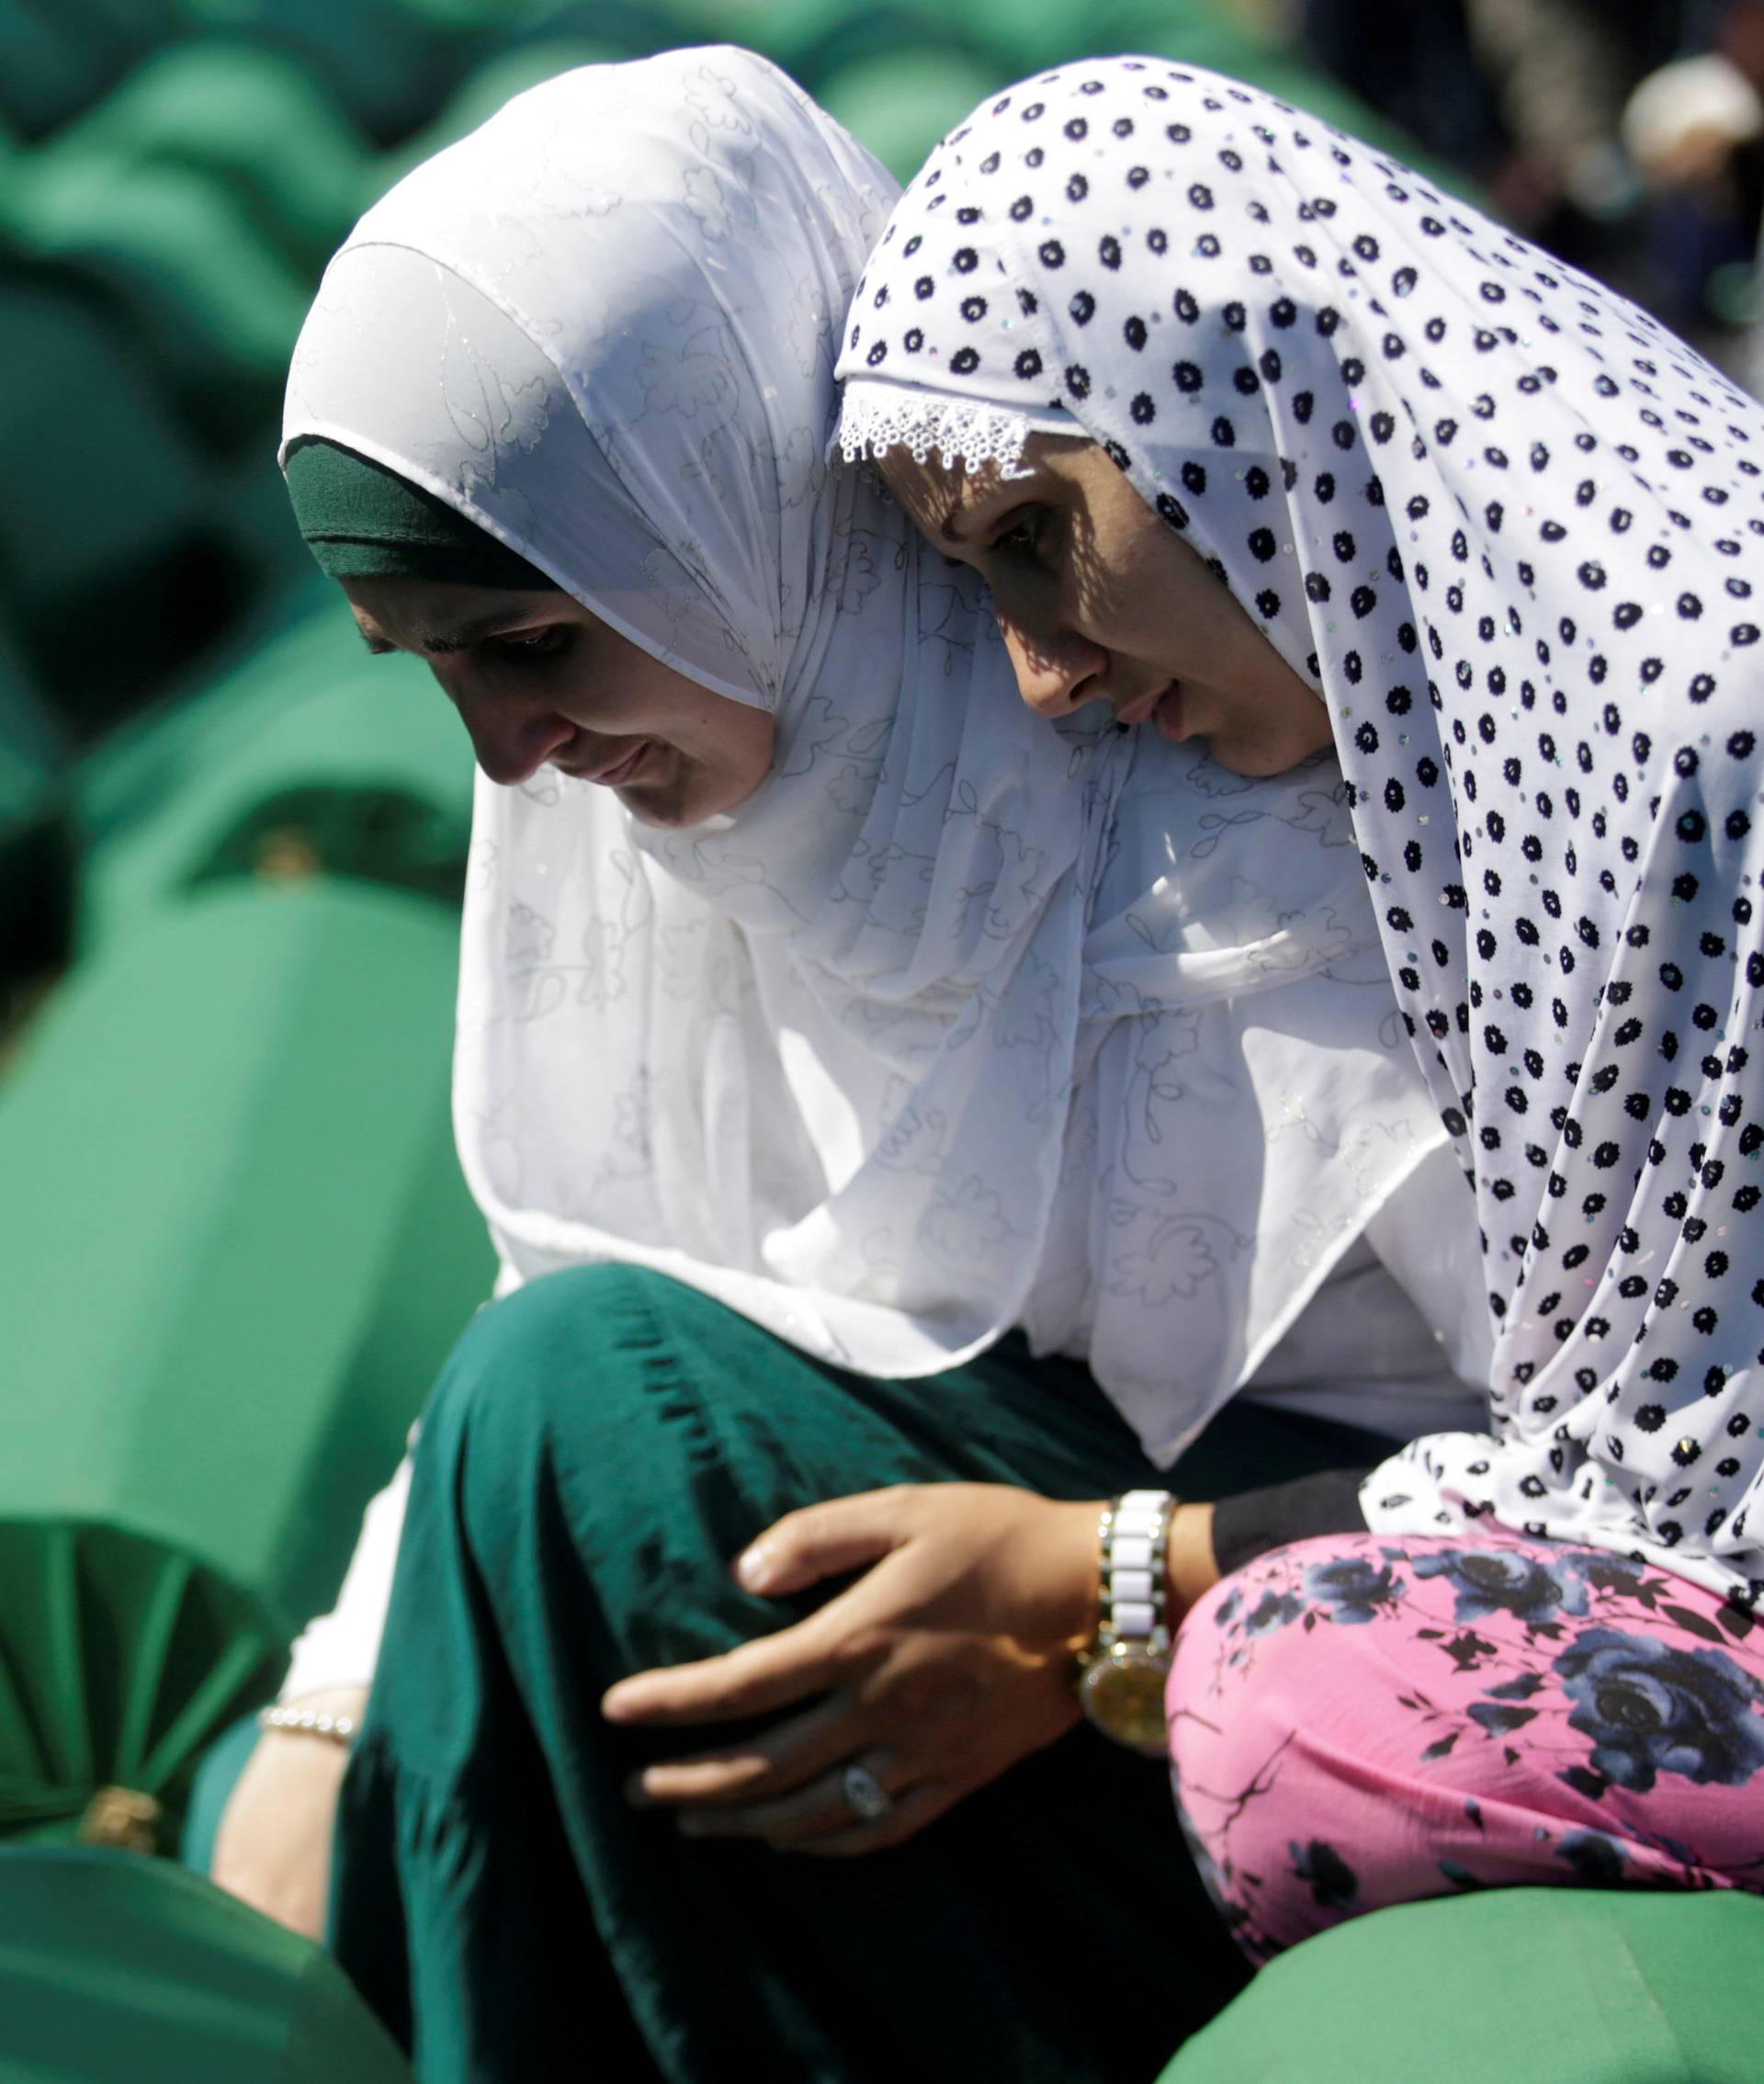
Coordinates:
(1693, 129)
(1525, 96)
(1621, 134)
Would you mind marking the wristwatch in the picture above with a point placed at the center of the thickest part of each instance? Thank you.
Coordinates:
(1121, 1674)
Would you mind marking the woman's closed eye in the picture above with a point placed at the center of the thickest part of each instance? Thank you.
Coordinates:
(1023, 533)
(525, 646)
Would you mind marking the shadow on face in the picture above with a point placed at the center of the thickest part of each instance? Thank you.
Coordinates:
(1099, 600)
(540, 680)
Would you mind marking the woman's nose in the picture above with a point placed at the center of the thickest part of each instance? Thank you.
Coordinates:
(1057, 673)
(512, 738)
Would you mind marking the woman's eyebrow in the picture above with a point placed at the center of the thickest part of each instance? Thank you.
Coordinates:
(462, 636)
(448, 637)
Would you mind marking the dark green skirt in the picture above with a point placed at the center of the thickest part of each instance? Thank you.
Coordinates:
(600, 1447)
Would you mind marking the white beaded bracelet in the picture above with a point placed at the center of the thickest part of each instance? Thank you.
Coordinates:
(308, 1722)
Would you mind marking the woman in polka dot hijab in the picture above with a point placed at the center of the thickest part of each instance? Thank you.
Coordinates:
(1504, 527)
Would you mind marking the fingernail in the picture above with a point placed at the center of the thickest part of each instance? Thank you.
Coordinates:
(618, 1701)
(753, 1566)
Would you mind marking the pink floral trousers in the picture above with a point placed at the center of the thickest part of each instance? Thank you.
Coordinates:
(1359, 1720)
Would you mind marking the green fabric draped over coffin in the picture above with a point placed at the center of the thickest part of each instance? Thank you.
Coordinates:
(234, 1248)
(1576, 1985)
(115, 1967)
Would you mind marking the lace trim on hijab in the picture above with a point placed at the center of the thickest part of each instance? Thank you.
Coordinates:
(967, 433)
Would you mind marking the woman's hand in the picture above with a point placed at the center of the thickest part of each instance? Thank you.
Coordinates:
(274, 1844)
(948, 1661)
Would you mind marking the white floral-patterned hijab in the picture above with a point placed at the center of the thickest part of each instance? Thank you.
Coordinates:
(1510, 527)
(950, 987)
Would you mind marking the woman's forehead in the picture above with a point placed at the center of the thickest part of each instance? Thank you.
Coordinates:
(938, 495)
(948, 500)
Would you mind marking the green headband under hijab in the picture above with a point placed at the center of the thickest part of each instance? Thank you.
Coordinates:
(363, 521)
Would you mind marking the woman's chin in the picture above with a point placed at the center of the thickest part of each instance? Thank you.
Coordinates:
(680, 801)
(1254, 761)
(661, 812)
(1255, 754)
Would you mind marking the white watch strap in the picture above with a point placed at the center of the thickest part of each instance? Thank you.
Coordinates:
(1133, 1570)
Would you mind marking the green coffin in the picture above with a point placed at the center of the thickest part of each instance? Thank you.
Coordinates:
(234, 1249)
(119, 1970)
(254, 119)
(1509, 1986)
(307, 750)
(899, 103)
(209, 306)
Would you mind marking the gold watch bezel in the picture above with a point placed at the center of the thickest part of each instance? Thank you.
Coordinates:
(1121, 1690)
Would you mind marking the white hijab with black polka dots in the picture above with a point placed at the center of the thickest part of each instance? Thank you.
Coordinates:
(1508, 527)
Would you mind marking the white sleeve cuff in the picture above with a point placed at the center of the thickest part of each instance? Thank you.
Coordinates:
(341, 1649)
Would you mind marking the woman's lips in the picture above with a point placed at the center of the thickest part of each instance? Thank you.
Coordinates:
(1140, 708)
(1161, 707)
(1167, 719)
(617, 772)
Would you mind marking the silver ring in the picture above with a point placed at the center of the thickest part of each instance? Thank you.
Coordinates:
(868, 1800)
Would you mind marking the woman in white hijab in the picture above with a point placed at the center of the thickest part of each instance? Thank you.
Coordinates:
(1488, 530)
(833, 1039)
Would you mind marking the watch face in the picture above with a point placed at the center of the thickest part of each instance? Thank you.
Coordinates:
(1123, 1694)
